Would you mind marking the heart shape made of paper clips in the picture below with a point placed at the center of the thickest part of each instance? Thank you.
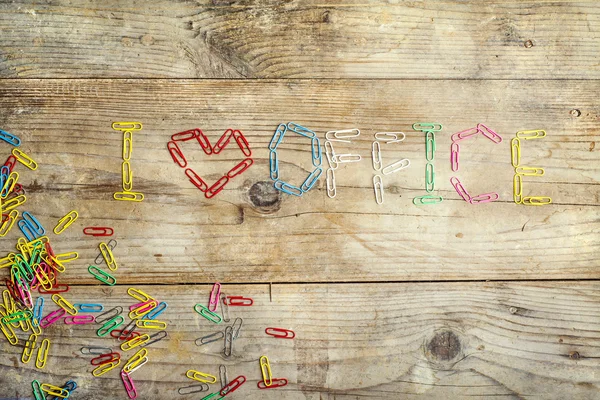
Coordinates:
(224, 140)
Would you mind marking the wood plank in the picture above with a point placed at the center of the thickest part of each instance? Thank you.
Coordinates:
(434, 341)
(251, 233)
(312, 39)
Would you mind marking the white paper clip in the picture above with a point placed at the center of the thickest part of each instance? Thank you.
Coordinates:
(347, 158)
(339, 136)
(376, 156)
(330, 154)
(396, 166)
(378, 188)
(390, 137)
(331, 189)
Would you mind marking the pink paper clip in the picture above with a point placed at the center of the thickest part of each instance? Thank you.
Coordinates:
(52, 318)
(241, 167)
(280, 333)
(277, 382)
(184, 136)
(458, 136)
(129, 386)
(490, 134)
(215, 294)
(242, 142)
(223, 141)
(196, 180)
(460, 189)
(484, 198)
(150, 304)
(80, 319)
(203, 141)
(176, 154)
(454, 149)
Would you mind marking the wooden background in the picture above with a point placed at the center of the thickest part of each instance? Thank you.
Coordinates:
(388, 302)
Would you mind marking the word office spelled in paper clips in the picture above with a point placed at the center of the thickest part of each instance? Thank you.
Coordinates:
(127, 174)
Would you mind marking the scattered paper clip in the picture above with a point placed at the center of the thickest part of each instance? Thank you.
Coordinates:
(136, 360)
(104, 368)
(212, 337)
(342, 135)
(65, 222)
(223, 379)
(215, 293)
(203, 387)
(224, 308)
(24, 159)
(129, 196)
(276, 382)
(55, 390)
(201, 376)
(532, 134)
(427, 199)
(265, 369)
(37, 390)
(139, 295)
(102, 275)
(390, 137)
(376, 156)
(151, 324)
(239, 301)
(280, 333)
(206, 313)
(228, 342)
(232, 386)
(42, 354)
(107, 254)
(10, 138)
(396, 166)
(105, 358)
(536, 201)
(110, 325)
(129, 386)
(29, 348)
(378, 188)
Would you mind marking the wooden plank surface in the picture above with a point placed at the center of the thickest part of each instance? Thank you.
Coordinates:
(309, 39)
(251, 233)
(434, 341)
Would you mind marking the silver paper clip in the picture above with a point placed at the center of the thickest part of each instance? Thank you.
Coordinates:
(376, 156)
(228, 342)
(390, 137)
(396, 166)
(378, 188)
(330, 154)
(331, 188)
(213, 337)
(339, 136)
(347, 158)
(223, 376)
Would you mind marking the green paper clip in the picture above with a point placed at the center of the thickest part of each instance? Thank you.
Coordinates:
(209, 315)
(102, 276)
(110, 325)
(429, 177)
(429, 145)
(426, 200)
(427, 126)
(37, 390)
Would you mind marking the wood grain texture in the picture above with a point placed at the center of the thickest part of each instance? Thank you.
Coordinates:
(308, 39)
(384, 341)
(251, 233)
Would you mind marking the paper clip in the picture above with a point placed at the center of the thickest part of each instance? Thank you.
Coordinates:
(135, 342)
(127, 145)
(128, 196)
(102, 275)
(515, 152)
(228, 342)
(129, 386)
(110, 314)
(460, 189)
(151, 324)
(52, 318)
(27, 230)
(215, 293)
(138, 359)
(29, 347)
(429, 145)
(55, 390)
(184, 136)
(80, 320)
(236, 328)
(98, 231)
(224, 307)
(339, 136)
(458, 136)
(536, 201)
(533, 134)
(127, 126)
(530, 171)
(277, 382)
(265, 369)
(216, 187)
(110, 325)
(396, 166)
(347, 158)
(127, 176)
(9, 184)
(330, 154)
(299, 129)
(176, 154)
(201, 376)
(203, 142)
(223, 141)
(159, 309)
(317, 157)
(280, 333)
(34, 223)
(104, 368)
(223, 379)
(141, 309)
(157, 337)
(518, 189)
(210, 396)
(89, 307)
(196, 180)
(108, 256)
(331, 187)
(239, 301)
(376, 156)
(105, 358)
(273, 165)
(139, 295)
(24, 159)
(378, 188)
(311, 180)
(484, 198)
(213, 337)
(429, 177)
(70, 386)
(9, 333)
(277, 137)
(37, 390)
(454, 149)
(490, 134)
(42, 354)
(67, 257)
(10, 138)
(203, 387)
(65, 222)
(8, 224)
(288, 188)
(241, 167)
(112, 243)
(242, 143)
(38, 308)
(94, 350)
(13, 203)
(390, 137)
(209, 315)
(426, 200)
(232, 386)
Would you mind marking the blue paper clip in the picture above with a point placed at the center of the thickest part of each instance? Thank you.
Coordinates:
(4, 172)
(27, 230)
(34, 223)
(159, 309)
(274, 165)
(311, 180)
(287, 188)
(10, 138)
(316, 152)
(299, 129)
(38, 309)
(89, 307)
(277, 137)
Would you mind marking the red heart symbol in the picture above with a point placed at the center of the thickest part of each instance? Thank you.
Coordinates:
(204, 143)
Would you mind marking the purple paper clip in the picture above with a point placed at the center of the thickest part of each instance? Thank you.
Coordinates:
(454, 149)
(484, 198)
(460, 189)
(490, 134)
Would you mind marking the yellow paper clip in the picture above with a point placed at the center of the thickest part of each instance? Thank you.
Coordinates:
(64, 304)
(265, 368)
(54, 263)
(151, 324)
(34, 325)
(143, 309)
(107, 254)
(42, 354)
(135, 360)
(515, 152)
(533, 134)
(10, 334)
(28, 349)
(65, 222)
(9, 184)
(9, 223)
(67, 257)
(127, 145)
(201, 376)
(104, 368)
(127, 126)
(518, 189)
(14, 203)
(7, 261)
(129, 196)
(536, 201)
(24, 159)
(530, 171)
(139, 295)
(127, 176)
(55, 390)
(135, 342)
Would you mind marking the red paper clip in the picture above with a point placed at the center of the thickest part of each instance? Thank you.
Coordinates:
(277, 382)
(58, 288)
(239, 301)
(123, 335)
(5, 217)
(203, 141)
(18, 189)
(49, 250)
(12, 288)
(241, 167)
(176, 154)
(129, 386)
(106, 358)
(196, 180)
(184, 136)
(280, 333)
(242, 142)
(215, 294)
(10, 162)
(217, 187)
(98, 231)
(233, 385)
(223, 141)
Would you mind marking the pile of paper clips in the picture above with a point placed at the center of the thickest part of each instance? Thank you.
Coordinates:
(127, 175)
(521, 171)
(200, 137)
